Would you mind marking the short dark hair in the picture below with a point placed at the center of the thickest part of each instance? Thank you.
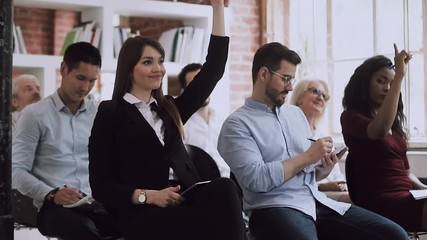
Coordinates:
(189, 68)
(81, 52)
(271, 55)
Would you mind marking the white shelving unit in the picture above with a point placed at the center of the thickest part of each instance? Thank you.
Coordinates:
(103, 12)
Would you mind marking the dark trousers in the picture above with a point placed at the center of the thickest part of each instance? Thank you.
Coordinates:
(213, 212)
(75, 224)
(357, 223)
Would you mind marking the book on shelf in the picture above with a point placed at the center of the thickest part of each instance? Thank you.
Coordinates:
(183, 44)
(187, 35)
(15, 40)
(197, 45)
(21, 42)
(69, 39)
(96, 37)
(167, 40)
(87, 31)
(83, 32)
(419, 193)
(117, 39)
(120, 35)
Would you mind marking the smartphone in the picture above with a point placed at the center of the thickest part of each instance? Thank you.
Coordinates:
(338, 149)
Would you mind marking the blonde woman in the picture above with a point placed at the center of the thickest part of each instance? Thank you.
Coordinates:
(312, 96)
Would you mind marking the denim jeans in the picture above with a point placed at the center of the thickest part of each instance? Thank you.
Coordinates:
(357, 223)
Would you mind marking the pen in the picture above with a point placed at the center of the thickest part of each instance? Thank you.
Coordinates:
(311, 139)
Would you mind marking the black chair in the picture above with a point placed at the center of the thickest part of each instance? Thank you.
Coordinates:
(205, 164)
(24, 212)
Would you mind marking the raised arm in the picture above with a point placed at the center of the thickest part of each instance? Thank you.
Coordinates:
(213, 69)
(386, 114)
(218, 26)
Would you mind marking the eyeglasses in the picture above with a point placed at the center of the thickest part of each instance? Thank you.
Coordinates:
(319, 93)
(287, 79)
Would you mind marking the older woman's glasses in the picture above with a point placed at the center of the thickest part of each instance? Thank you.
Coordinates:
(318, 92)
(287, 79)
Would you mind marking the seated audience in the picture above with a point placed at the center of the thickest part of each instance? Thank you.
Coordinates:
(202, 129)
(265, 144)
(312, 96)
(373, 126)
(49, 151)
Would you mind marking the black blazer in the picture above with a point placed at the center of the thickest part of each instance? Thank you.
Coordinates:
(124, 151)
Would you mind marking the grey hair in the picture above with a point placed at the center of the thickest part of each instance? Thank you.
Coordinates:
(301, 87)
(20, 78)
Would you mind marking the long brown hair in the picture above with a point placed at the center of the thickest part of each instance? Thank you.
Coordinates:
(129, 55)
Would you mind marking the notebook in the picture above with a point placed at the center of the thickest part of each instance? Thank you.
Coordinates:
(419, 193)
(87, 200)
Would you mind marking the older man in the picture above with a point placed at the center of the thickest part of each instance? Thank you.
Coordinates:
(25, 90)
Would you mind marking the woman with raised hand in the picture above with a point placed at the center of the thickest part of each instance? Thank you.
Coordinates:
(138, 162)
(373, 126)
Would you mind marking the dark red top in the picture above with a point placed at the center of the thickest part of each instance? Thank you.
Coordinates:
(376, 172)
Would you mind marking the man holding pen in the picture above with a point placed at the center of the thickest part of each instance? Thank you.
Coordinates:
(50, 149)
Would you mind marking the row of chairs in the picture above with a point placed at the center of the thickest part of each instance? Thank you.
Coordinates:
(25, 214)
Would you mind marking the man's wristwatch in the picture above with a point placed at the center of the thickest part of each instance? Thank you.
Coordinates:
(142, 197)
(51, 195)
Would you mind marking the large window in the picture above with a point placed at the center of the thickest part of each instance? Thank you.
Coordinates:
(333, 37)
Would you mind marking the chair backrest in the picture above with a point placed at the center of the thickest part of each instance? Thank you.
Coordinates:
(205, 164)
(23, 210)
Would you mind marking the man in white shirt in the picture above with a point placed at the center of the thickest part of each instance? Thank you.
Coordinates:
(202, 129)
(25, 90)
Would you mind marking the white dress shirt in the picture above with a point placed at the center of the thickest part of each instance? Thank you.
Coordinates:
(204, 135)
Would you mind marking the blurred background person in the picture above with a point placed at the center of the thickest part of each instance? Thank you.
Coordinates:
(203, 127)
(312, 96)
(25, 90)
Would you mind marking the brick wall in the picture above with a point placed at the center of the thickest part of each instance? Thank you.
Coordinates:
(44, 32)
(245, 40)
(37, 29)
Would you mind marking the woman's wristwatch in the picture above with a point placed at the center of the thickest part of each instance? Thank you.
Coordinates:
(142, 197)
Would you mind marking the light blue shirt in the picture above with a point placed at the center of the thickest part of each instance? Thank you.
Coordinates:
(50, 148)
(254, 140)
